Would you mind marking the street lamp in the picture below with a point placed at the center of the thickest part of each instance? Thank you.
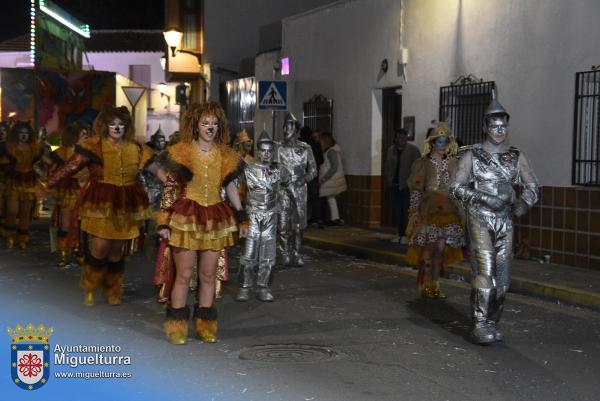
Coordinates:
(163, 62)
(181, 94)
(173, 38)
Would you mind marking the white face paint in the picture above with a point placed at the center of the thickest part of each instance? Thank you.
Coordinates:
(116, 129)
(265, 152)
(289, 130)
(208, 127)
(497, 129)
(83, 135)
(23, 135)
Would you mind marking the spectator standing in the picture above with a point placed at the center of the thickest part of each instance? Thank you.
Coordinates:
(400, 157)
(332, 180)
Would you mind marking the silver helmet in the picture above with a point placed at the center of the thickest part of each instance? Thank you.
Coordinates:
(495, 108)
(289, 117)
(264, 137)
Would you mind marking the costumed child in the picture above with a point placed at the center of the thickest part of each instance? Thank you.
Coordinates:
(258, 259)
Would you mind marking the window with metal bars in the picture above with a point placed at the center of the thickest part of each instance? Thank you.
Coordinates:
(463, 104)
(586, 128)
(317, 114)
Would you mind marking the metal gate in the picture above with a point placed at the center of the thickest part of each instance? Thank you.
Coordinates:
(239, 101)
(586, 128)
(317, 114)
(463, 103)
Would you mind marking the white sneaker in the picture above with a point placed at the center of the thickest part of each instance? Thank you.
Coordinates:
(395, 240)
(403, 240)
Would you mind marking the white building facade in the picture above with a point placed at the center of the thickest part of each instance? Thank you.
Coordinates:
(531, 50)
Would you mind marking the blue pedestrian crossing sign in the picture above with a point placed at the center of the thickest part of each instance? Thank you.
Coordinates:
(272, 95)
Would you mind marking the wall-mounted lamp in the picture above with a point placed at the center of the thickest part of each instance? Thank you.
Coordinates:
(384, 65)
(162, 89)
(173, 38)
(163, 62)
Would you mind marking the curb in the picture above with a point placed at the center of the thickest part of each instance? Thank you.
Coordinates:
(519, 285)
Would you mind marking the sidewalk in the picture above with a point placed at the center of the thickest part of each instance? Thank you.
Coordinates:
(558, 283)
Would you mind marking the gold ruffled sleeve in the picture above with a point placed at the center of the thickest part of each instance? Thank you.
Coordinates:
(69, 169)
(171, 192)
(232, 165)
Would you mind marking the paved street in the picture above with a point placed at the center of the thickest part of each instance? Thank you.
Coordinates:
(340, 329)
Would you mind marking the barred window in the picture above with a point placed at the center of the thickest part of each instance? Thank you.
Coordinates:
(317, 114)
(586, 129)
(463, 104)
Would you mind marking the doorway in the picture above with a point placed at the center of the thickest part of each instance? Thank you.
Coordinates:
(391, 121)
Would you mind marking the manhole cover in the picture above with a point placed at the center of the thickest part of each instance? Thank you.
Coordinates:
(296, 353)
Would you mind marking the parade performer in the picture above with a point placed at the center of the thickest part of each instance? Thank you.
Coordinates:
(262, 178)
(194, 219)
(22, 152)
(484, 182)
(66, 191)
(4, 165)
(112, 206)
(297, 159)
(435, 225)
(150, 180)
(243, 145)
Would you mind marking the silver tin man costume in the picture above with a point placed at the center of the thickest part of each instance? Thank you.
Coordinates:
(484, 183)
(262, 180)
(297, 159)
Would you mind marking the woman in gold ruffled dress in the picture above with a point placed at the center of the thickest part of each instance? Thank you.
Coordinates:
(67, 190)
(112, 205)
(194, 219)
(4, 165)
(22, 152)
(435, 229)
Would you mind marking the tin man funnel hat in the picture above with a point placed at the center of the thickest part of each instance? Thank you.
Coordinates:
(495, 108)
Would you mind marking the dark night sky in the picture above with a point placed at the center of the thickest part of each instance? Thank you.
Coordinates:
(99, 14)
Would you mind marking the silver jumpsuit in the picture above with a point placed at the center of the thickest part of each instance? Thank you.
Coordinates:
(262, 181)
(297, 159)
(494, 170)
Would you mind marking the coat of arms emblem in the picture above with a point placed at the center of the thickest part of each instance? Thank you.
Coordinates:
(30, 355)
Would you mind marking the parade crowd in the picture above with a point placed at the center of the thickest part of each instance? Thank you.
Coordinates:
(200, 193)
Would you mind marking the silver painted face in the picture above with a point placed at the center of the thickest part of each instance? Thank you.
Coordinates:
(161, 143)
(289, 130)
(497, 129)
(265, 152)
(116, 129)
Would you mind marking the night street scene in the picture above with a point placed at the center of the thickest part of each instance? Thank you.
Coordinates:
(317, 200)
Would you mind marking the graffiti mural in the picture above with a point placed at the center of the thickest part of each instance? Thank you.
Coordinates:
(62, 97)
